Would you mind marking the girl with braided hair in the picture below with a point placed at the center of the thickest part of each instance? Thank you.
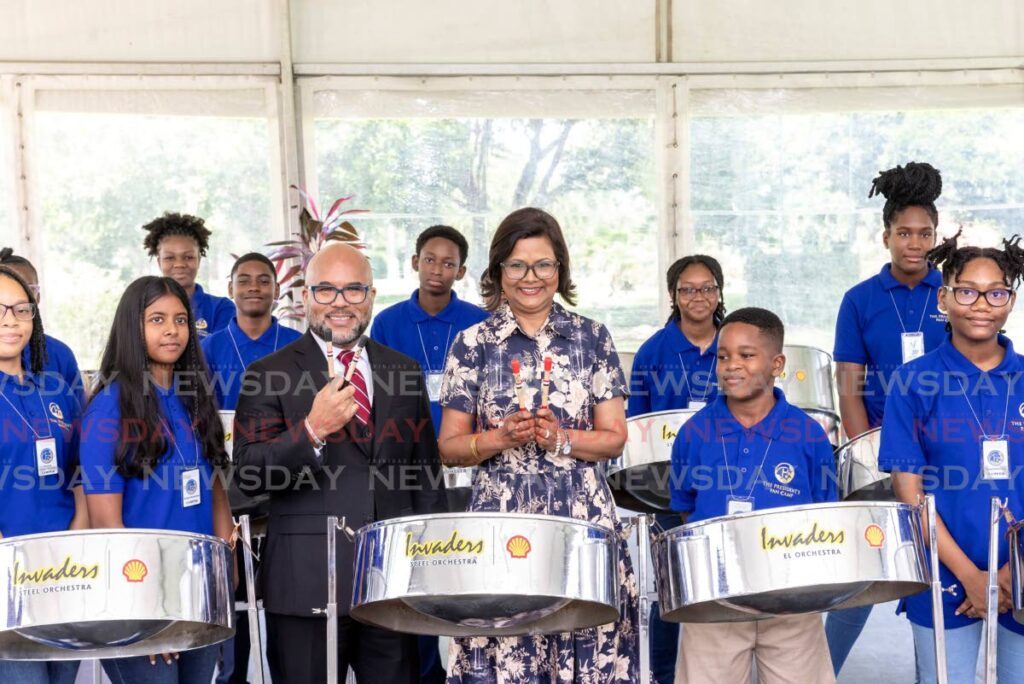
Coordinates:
(179, 242)
(39, 451)
(956, 430)
(883, 322)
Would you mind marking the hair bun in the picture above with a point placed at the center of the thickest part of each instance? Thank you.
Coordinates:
(917, 183)
(6, 253)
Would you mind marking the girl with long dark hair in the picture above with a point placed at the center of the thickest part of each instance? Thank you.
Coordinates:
(151, 443)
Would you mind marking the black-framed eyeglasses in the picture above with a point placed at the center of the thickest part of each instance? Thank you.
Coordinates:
(545, 269)
(966, 296)
(708, 292)
(327, 294)
(25, 311)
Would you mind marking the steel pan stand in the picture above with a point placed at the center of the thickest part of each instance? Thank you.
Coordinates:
(331, 611)
(255, 645)
(992, 604)
(642, 525)
(938, 618)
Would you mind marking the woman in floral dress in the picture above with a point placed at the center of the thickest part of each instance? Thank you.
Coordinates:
(539, 460)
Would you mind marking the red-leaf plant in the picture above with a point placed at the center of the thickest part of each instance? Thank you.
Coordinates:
(290, 257)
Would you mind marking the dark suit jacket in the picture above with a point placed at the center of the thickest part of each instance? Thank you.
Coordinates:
(387, 470)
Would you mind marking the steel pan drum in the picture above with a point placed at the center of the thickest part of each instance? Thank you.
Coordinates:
(830, 423)
(808, 379)
(783, 561)
(241, 503)
(1016, 540)
(859, 476)
(640, 478)
(458, 484)
(485, 574)
(113, 593)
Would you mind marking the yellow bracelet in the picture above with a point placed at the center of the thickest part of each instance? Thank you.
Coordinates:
(472, 447)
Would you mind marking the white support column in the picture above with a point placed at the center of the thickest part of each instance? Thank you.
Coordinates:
(288, 127)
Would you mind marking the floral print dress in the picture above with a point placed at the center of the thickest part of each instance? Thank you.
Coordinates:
(585, 370)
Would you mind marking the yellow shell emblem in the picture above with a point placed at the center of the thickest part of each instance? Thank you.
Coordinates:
(875, 536)
(801, 376)
(518, 546)
(135, 570)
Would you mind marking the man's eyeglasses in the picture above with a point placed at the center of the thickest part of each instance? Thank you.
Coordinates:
(966, 296)
(708, 292)
(327, 294)
(22, 312)
(545, 269)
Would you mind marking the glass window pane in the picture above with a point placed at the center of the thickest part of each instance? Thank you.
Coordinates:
(782, 199)
(8, 213)
(595, 175)
(100, 177)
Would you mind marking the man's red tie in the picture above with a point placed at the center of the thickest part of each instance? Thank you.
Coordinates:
(359, 382)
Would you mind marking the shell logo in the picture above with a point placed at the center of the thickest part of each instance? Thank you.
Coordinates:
(874, 536)
(135, 570)
(801, 375)
(518, 546)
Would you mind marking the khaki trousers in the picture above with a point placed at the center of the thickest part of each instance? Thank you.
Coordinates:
(789, 650)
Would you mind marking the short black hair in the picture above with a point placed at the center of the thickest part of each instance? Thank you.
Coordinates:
(764, 320)
(676, 270)
(917, 184)
(9, 258)
(176, 224)
(448, 233)
(952, 259)
(254, 256)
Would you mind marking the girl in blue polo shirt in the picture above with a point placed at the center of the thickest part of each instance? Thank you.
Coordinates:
(885, 321)
(958, 432)
(675, 369)
(179, 242)
(37, 448)
(151, 441)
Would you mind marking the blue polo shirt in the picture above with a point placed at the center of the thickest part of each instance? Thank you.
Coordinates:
(669, 372)
(60, 370)
(785, 460)
(154, 501)
(229, 352)
(930, 429)
(872, 316)
(31, 503)
(212, 313)
(407, 328)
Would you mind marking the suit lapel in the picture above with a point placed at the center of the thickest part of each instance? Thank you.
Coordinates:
(381, 408)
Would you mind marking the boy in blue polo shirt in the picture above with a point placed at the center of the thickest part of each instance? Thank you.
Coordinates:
(885, 321)
(252, 334)
(957, 431)
(767, 453)
(424, 325)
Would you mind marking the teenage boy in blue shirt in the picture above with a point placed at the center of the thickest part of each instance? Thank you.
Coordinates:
(423, 327)
(763, 453)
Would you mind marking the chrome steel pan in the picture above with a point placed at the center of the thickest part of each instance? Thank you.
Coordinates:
(808, 379)
(113, 593)
(857, 466)
(830, 423)
(640, 478)
(485, 574)
(784, 561)
(241, 504)
(1017, 570)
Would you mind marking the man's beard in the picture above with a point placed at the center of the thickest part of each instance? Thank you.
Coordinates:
(336, 337)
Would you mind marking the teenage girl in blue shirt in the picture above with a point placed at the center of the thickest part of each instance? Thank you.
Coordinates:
(179, 243)
(958, 432)
(675, 369)
(885, 321)
(38, 449)
(151, 443)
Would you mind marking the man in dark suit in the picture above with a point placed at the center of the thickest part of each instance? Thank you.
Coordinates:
(320, 450)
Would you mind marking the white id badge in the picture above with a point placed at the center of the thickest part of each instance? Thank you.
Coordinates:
(913, 345)
(191, 493)
(739, 504)
(434, 385)
(696, 405)
(46, 456)
(995, 459)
